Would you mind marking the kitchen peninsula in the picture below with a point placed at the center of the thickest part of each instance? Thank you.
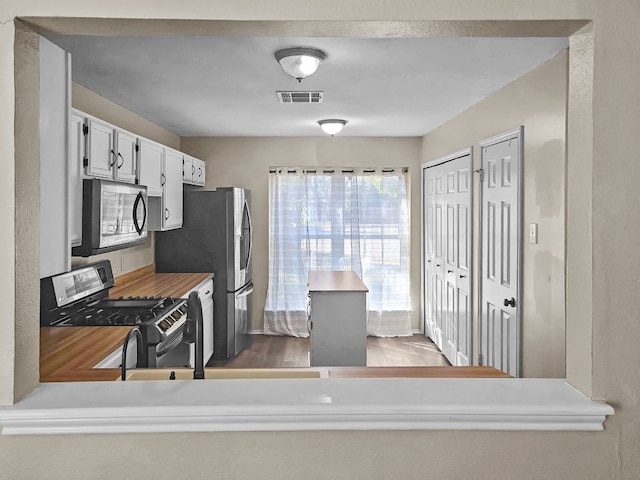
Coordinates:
(69, 354)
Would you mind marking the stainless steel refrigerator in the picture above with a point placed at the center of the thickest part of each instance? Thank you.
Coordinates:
(216, 237)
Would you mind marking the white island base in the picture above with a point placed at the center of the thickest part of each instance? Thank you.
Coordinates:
(338, 319)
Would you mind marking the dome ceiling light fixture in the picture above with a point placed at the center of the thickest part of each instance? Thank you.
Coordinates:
(300, 62)
(332, 126)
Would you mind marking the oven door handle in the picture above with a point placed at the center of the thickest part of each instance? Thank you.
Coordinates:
(164, 347)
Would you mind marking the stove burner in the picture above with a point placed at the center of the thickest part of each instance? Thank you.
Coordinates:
(121, 311)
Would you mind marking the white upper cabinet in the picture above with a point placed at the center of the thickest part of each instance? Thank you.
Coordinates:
(165, 213)
(77, 130)
(187, 169)
(192, 170)
(111, 152)
(200, 172)
(150, 159)
(99, 149)
(100, 154)
(172, 190)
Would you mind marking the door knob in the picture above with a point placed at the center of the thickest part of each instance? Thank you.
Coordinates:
(510, 303)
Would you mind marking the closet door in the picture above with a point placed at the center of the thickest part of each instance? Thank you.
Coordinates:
(447, 255)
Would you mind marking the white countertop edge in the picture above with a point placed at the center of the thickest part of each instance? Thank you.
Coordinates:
(303, 404)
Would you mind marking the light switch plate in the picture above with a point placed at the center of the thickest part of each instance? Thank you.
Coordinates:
(533, 233)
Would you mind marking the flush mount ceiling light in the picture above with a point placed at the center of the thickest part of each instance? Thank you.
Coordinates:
(300, 62)
(332, 126)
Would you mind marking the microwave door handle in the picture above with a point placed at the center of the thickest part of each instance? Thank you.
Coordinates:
(139, 228)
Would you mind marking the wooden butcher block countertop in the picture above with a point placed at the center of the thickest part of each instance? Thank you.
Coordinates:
(68, 354)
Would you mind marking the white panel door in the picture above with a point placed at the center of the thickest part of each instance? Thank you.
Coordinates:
(447, 254)
(501, 227)
(438, 258)
(428, 238)
(458, 260)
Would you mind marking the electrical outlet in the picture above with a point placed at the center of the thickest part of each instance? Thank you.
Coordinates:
(533, 233)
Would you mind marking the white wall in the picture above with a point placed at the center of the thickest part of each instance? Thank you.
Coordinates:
(610, 358)
(537, 100)
(244, 162)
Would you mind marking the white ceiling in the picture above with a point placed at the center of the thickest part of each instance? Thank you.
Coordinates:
(226, 85)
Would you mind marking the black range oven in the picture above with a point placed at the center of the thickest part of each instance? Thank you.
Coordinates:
(81, 298)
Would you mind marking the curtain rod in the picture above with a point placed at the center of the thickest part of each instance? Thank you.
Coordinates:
(332, 170)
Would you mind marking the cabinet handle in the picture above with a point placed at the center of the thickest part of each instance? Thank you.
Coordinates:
(193, 170)
(463, 276)
(167, 214)
(199, 172)
(120, 164)
(115, 159)
(208, 292)
(163, 179)
(449, 271)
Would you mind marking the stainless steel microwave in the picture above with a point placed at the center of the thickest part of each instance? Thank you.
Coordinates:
(114, 216)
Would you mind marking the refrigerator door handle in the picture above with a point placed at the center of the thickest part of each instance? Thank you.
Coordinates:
(246, 206)
(245, 290)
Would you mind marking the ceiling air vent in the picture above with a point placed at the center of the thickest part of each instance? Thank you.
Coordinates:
(300, 97)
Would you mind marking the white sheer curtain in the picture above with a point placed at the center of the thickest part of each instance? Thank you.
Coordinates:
(338, 219)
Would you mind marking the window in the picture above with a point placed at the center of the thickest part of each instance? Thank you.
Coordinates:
(338, 219)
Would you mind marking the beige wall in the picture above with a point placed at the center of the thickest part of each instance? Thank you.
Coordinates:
(610, 285)
(538, 100)
(244, 162)
(129, 259)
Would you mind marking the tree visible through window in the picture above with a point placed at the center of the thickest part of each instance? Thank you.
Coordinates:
(340, 219)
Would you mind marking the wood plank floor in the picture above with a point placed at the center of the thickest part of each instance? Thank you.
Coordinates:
(282, 352)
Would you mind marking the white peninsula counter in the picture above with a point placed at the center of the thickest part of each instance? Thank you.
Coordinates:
(337, 319)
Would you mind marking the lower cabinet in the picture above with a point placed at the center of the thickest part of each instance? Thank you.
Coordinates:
(337, 319)
(205, 291)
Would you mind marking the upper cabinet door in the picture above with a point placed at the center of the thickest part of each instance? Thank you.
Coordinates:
(76, 157)
(124, 170)
(200, 172)
(172, 193)
(150, 158)
(100, 153)
(188, 169)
